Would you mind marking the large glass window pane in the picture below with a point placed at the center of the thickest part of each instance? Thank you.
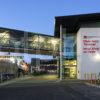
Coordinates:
(47, 43)
(41, 42)
(33, 41)
(4, 38)
(17, 39)
(70, 46)
(55, 44)
(11, 38)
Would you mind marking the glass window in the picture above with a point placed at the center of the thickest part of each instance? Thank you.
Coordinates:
(70, 46)
(33, 41)
(4, 38)
(16, 39)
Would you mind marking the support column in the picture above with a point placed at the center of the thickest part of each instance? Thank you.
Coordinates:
(61, 54)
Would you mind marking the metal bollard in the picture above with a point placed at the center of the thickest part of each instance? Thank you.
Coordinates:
(85, 77)
(1, 77)
(88, 78)
(91, 78)
(99, 78)
(95, 78)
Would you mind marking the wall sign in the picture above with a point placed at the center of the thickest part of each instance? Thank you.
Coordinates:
(91, 44)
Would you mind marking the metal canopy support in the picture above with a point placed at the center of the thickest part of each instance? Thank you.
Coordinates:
(61, 54)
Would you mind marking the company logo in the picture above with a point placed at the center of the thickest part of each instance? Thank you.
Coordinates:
(85, 37)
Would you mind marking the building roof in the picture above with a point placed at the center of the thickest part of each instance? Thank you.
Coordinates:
(72, 22)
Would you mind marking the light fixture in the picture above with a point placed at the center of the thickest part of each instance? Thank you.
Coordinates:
(12, 60)
(41, 39)
(97, 57)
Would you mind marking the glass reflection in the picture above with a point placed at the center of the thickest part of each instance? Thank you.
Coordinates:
(70, 46)
(20, 39)
(4, 38)
(33, 41)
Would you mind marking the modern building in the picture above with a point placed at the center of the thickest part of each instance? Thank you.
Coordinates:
(80, 44)
(21, 45)
(75, 45)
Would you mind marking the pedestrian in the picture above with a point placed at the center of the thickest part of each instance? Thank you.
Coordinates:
(20, 68)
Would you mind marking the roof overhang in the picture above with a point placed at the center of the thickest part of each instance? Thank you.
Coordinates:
(72, 23)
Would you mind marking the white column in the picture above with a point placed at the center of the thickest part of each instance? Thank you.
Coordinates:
(61, 54)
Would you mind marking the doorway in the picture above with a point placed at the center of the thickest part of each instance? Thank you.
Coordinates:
(70, 69)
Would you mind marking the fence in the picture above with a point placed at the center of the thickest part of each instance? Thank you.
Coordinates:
(92, 78)
(8, 70)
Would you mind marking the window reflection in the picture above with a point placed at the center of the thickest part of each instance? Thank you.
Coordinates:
(4, 38)
(47, 43)
(20, 39)
(33, 41)
(69, 46)
(41, 42)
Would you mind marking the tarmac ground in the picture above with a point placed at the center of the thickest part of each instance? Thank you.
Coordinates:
(48, 88)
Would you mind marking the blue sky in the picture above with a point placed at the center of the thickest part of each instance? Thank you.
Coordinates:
(38, 15)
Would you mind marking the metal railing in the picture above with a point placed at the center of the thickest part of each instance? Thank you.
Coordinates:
(92, 78)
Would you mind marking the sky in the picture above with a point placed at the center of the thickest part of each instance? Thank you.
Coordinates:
(39, 15)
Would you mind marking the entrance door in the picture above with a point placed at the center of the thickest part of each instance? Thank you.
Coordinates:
(67, 72)
(73, 72)
(70, 71)
(70, 68)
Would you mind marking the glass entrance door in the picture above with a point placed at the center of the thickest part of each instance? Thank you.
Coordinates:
(70, 72)
(73, 72)
(70, 68)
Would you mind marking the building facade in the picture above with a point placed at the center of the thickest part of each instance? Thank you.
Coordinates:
(75, 45)
(16, 45)
(80, 35)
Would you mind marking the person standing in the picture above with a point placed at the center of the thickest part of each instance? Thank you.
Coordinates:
(20, 68)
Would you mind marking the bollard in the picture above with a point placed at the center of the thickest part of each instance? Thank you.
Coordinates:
(1, 78)
(99, 78)
(98, 81)
(91, 78)
(88, 78)
(95, 79)
(85, 76)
